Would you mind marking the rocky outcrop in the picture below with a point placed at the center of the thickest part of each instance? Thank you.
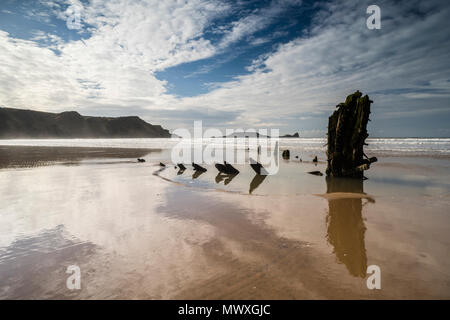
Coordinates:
(17, 123)
(347, 132)
(295, 135)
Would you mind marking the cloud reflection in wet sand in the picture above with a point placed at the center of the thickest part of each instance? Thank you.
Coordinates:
(135, 235)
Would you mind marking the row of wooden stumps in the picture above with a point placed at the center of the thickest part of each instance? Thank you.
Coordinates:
(227, 172)
(225, 168)
(347, 133)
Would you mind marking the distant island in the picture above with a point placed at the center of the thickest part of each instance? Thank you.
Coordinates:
(251, 134)
(257, 135)
(18, 123)
(295, 135)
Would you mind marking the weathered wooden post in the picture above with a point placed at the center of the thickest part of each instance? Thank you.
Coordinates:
(347, 132)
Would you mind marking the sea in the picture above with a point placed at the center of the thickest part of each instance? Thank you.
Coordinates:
(379, 146)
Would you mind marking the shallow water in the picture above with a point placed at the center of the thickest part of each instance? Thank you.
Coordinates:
(138, 232)
(391, 175)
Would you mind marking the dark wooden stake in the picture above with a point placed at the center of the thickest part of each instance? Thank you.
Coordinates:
(347, 132)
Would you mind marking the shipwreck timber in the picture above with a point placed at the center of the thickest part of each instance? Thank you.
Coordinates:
(347, 132)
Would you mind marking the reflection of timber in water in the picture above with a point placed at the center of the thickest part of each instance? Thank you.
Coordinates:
(345, 226)
(256, 181)
(226, 178)
(197, 174)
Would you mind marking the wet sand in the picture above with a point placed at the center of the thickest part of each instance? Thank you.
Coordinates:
(26, 156)
(137, 231)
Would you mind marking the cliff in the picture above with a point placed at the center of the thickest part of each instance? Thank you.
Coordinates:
(17, 123)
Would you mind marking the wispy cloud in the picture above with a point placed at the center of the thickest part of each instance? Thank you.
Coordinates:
(256, 21)
(404, 65)
(339, 55)
(129, 41)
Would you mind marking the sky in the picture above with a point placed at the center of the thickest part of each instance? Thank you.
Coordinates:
(281, 64)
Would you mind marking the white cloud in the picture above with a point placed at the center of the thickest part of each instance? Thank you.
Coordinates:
(131, 40)
(30, 76)
(340, 55)
(256, 21)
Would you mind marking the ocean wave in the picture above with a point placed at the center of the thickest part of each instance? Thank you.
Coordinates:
(429, 146)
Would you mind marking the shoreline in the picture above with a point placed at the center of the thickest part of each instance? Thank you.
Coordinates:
(30, 156)
(298, 146)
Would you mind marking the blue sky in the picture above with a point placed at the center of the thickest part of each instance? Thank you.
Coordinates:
(233, 64)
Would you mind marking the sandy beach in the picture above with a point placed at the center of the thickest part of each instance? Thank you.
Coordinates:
(137, 230)
(192, 152)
